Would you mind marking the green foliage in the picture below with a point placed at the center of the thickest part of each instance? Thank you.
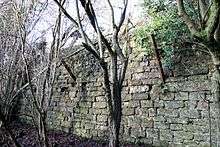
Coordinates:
(166, 24)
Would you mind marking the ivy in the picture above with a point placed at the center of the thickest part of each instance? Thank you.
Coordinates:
(166, 24)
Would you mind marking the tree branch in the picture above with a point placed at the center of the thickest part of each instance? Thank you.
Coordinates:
(66, 13)
(112, 13)
(213, 21)
(92, 16)
(182, 13)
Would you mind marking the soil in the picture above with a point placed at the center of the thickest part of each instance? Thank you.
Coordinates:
(26, 136)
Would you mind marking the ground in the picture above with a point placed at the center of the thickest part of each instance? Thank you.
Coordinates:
(26, 135)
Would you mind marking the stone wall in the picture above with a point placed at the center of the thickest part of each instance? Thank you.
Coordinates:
(179, 112)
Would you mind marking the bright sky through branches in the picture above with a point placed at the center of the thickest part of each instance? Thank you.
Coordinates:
(102, 11)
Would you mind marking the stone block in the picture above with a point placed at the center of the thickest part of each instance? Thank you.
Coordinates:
(93, 111)
(168, 112)
(190, 143)
(101, 127)
(161, 125)
(160, 118)
(141, 112)
(174, 104)
(189, 113)
(176, 127)
(137, 132)
(202, 105)
(131, 104)
(155, 81)
(146, 103)
(201, 137)
(167, 96)
(152, 75)
(135, 82)
(182, 135)
(140, 96)
(152, 112)
(159, 104)
(138, 76)
(198, 78)
(85, 104)
(172, 120)
(181, 96)
(134, 121)
(191, 104)
(128, 111)
(144, 140)
(196, 128)
(100, 99)
(152, 133)
(139, 89)
(166, 135)
(99, 104)
(147, 122)
(102, 118)
(196, 96)
(190, 86)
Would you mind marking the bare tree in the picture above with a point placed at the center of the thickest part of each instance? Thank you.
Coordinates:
(11, 71)
(41, 85)
(206, 32)
(115, 75)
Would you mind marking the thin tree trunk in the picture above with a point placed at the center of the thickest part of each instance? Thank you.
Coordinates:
(42, 132)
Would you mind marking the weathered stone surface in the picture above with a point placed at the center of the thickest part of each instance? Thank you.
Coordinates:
(176, 127)
(102, 118)
(196, 128)
(166, 135)
(128, 111)
(137, 132)
(159, 104)
(140, 96)
(172, 120)
(189, 86)
(191, 104)
(196, 96)
(146, 103)
(181, 135)
(174, 104)
(167, 96)
(99, 104)
(181, 96)
(189, 113)
(167, 112)
(152, 112)
(161, 125)
(131, 104)
(171, 114)
(139, 89)
(147, 122)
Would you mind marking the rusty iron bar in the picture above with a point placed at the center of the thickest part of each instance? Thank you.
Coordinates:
(156, 51)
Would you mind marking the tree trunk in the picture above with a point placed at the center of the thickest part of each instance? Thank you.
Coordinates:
(115, 127)
(117, 108)
(42, 131)
(216, 90)
(116, 121)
